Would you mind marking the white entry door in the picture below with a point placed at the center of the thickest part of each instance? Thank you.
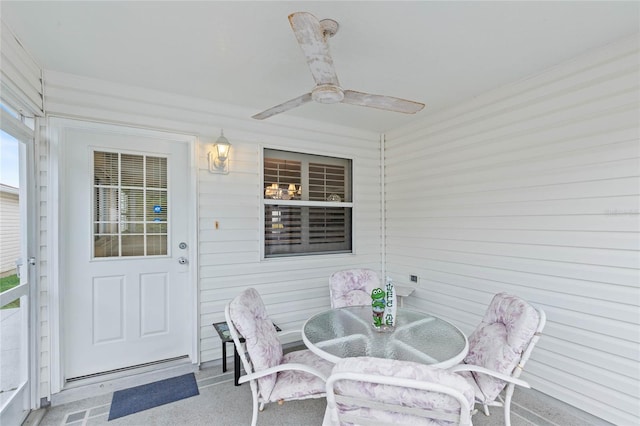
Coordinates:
(125, 208)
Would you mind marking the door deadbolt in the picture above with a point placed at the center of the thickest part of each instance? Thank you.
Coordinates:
(182, 245)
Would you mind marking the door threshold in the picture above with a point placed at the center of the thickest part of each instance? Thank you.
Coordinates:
(96, 385)
(124, 371)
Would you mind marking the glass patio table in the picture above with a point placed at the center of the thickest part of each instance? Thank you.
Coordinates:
(417, 336)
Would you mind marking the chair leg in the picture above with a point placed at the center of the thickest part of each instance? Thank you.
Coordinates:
(485, 409)
(254, 394)
(236, 365)
(507, 405)
(254, 417)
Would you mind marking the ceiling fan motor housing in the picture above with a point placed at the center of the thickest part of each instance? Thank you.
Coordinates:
(327, 94)
(329, 27)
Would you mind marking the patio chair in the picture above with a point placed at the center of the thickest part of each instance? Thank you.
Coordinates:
(352, 287)
(499, 349)
(378, 391)
(272, 375)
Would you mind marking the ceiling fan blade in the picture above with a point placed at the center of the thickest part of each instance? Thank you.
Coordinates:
(313, 41)
(382, 102)
(286, 106)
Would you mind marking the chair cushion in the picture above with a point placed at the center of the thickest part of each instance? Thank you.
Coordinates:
(468, 376)
(399, 395)
(250, 318)
(352, 287)
(498, 342)
(296, 384)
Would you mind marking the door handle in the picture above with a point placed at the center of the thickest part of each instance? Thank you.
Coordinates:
(183, 260)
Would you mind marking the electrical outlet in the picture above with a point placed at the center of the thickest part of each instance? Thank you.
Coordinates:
(413, 278)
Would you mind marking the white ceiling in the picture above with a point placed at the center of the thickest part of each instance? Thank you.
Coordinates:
(244, 53)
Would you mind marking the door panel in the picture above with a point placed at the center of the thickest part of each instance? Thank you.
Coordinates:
(154, 304)
(108, 309)
(125, 210)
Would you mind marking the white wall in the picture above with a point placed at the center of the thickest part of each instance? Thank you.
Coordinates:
(292, 288)
(229, 258)
(9, 229)
(533, 189)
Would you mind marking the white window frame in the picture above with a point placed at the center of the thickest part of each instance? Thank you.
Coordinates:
(295, 155)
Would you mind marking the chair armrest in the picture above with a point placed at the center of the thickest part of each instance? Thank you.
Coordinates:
(282, 367)
(483, 370)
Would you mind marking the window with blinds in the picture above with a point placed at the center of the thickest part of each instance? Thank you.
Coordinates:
(130, 205)
(307, 204)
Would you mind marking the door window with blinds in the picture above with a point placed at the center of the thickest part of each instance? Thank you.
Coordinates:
(307, 204)
(130, 205)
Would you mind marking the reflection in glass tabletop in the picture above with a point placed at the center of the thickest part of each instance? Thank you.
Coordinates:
(419, 337)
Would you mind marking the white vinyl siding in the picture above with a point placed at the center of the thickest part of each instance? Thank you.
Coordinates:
(229, 220)
(533, 189)
(10, 229)
(21, 82)
(231, 241)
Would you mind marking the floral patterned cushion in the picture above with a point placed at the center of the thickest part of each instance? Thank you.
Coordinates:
(399, 395)
(296, 384)
(497, 343)
(352, 287)
(249, 316)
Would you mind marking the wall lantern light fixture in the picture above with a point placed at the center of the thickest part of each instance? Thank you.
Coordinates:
(219, 157)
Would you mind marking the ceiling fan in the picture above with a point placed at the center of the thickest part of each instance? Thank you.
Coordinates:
(313, 36)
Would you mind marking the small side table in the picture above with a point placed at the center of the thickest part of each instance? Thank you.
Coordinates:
(402, 292)
(225, 336)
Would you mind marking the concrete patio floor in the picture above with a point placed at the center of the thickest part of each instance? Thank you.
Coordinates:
(221, 403)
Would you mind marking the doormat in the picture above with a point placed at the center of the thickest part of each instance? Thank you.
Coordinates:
(140, 398)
